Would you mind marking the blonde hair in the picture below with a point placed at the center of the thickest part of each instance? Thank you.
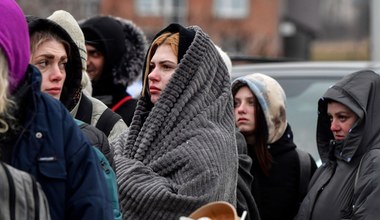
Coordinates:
(5, 101)
(40, 37)
(167, 38)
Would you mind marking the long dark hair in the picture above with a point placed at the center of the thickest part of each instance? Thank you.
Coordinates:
(261, 134)
(261, 141)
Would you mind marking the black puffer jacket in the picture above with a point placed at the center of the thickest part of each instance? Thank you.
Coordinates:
(342, 188)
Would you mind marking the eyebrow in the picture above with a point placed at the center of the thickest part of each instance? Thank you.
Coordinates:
(51, 56)
(48, 56)
(165, 61)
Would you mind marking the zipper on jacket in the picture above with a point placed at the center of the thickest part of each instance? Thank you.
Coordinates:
(321, 190)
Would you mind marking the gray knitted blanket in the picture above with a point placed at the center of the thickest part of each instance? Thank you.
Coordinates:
(181, 154)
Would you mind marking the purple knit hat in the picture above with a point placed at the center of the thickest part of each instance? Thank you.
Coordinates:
(14, 41)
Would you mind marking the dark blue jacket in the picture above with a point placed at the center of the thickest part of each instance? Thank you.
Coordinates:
(52, 148)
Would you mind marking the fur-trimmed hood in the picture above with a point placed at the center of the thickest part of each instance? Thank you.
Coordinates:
(128, 57)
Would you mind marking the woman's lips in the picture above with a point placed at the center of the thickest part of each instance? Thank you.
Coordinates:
(242, 119)
(154, 90)
(54, 91)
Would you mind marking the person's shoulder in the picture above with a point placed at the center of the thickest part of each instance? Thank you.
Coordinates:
(94, 135)
(372, 160)
(98, 107)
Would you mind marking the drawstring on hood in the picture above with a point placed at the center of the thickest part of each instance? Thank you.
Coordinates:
(16, 49)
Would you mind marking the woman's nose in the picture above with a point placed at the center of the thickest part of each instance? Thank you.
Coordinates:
(154, 75)
(241, 108)
(56, 73)
(334, 126)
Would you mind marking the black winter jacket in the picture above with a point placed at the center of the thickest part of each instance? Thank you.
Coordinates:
(347, 185)
(277, 195)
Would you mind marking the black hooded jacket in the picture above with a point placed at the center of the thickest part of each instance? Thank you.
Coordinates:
(347, 185)
(123, 45)
(277, 195)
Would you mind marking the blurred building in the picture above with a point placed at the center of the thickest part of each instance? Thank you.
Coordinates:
(260, 28)
(43, 8)
(247, 27)
(300, 25)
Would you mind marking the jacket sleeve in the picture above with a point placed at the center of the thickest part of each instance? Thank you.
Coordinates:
(367, 188)
(86, 187)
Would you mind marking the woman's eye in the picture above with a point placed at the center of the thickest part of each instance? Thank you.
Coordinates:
(62, 65)
(167, 67)
(342, 118)
(236, 104)
(151, 67)
(42, 63)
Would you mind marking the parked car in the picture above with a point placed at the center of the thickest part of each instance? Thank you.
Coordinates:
(304, 83)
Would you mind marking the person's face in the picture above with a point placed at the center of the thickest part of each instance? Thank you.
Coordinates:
(244, 105)
(162, 66)
(95, 62)
(51, 59)
(342, 119)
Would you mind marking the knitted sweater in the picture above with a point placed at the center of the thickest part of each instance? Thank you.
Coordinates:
(181, 153)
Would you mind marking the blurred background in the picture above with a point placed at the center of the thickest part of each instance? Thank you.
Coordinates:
(294, 29)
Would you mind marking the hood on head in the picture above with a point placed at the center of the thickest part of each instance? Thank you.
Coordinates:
(271, 98)
(71, 26)
(72, 84)
(132, 61)
(123, 44)
(186, 37)
(358, 91)
(14, 41)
